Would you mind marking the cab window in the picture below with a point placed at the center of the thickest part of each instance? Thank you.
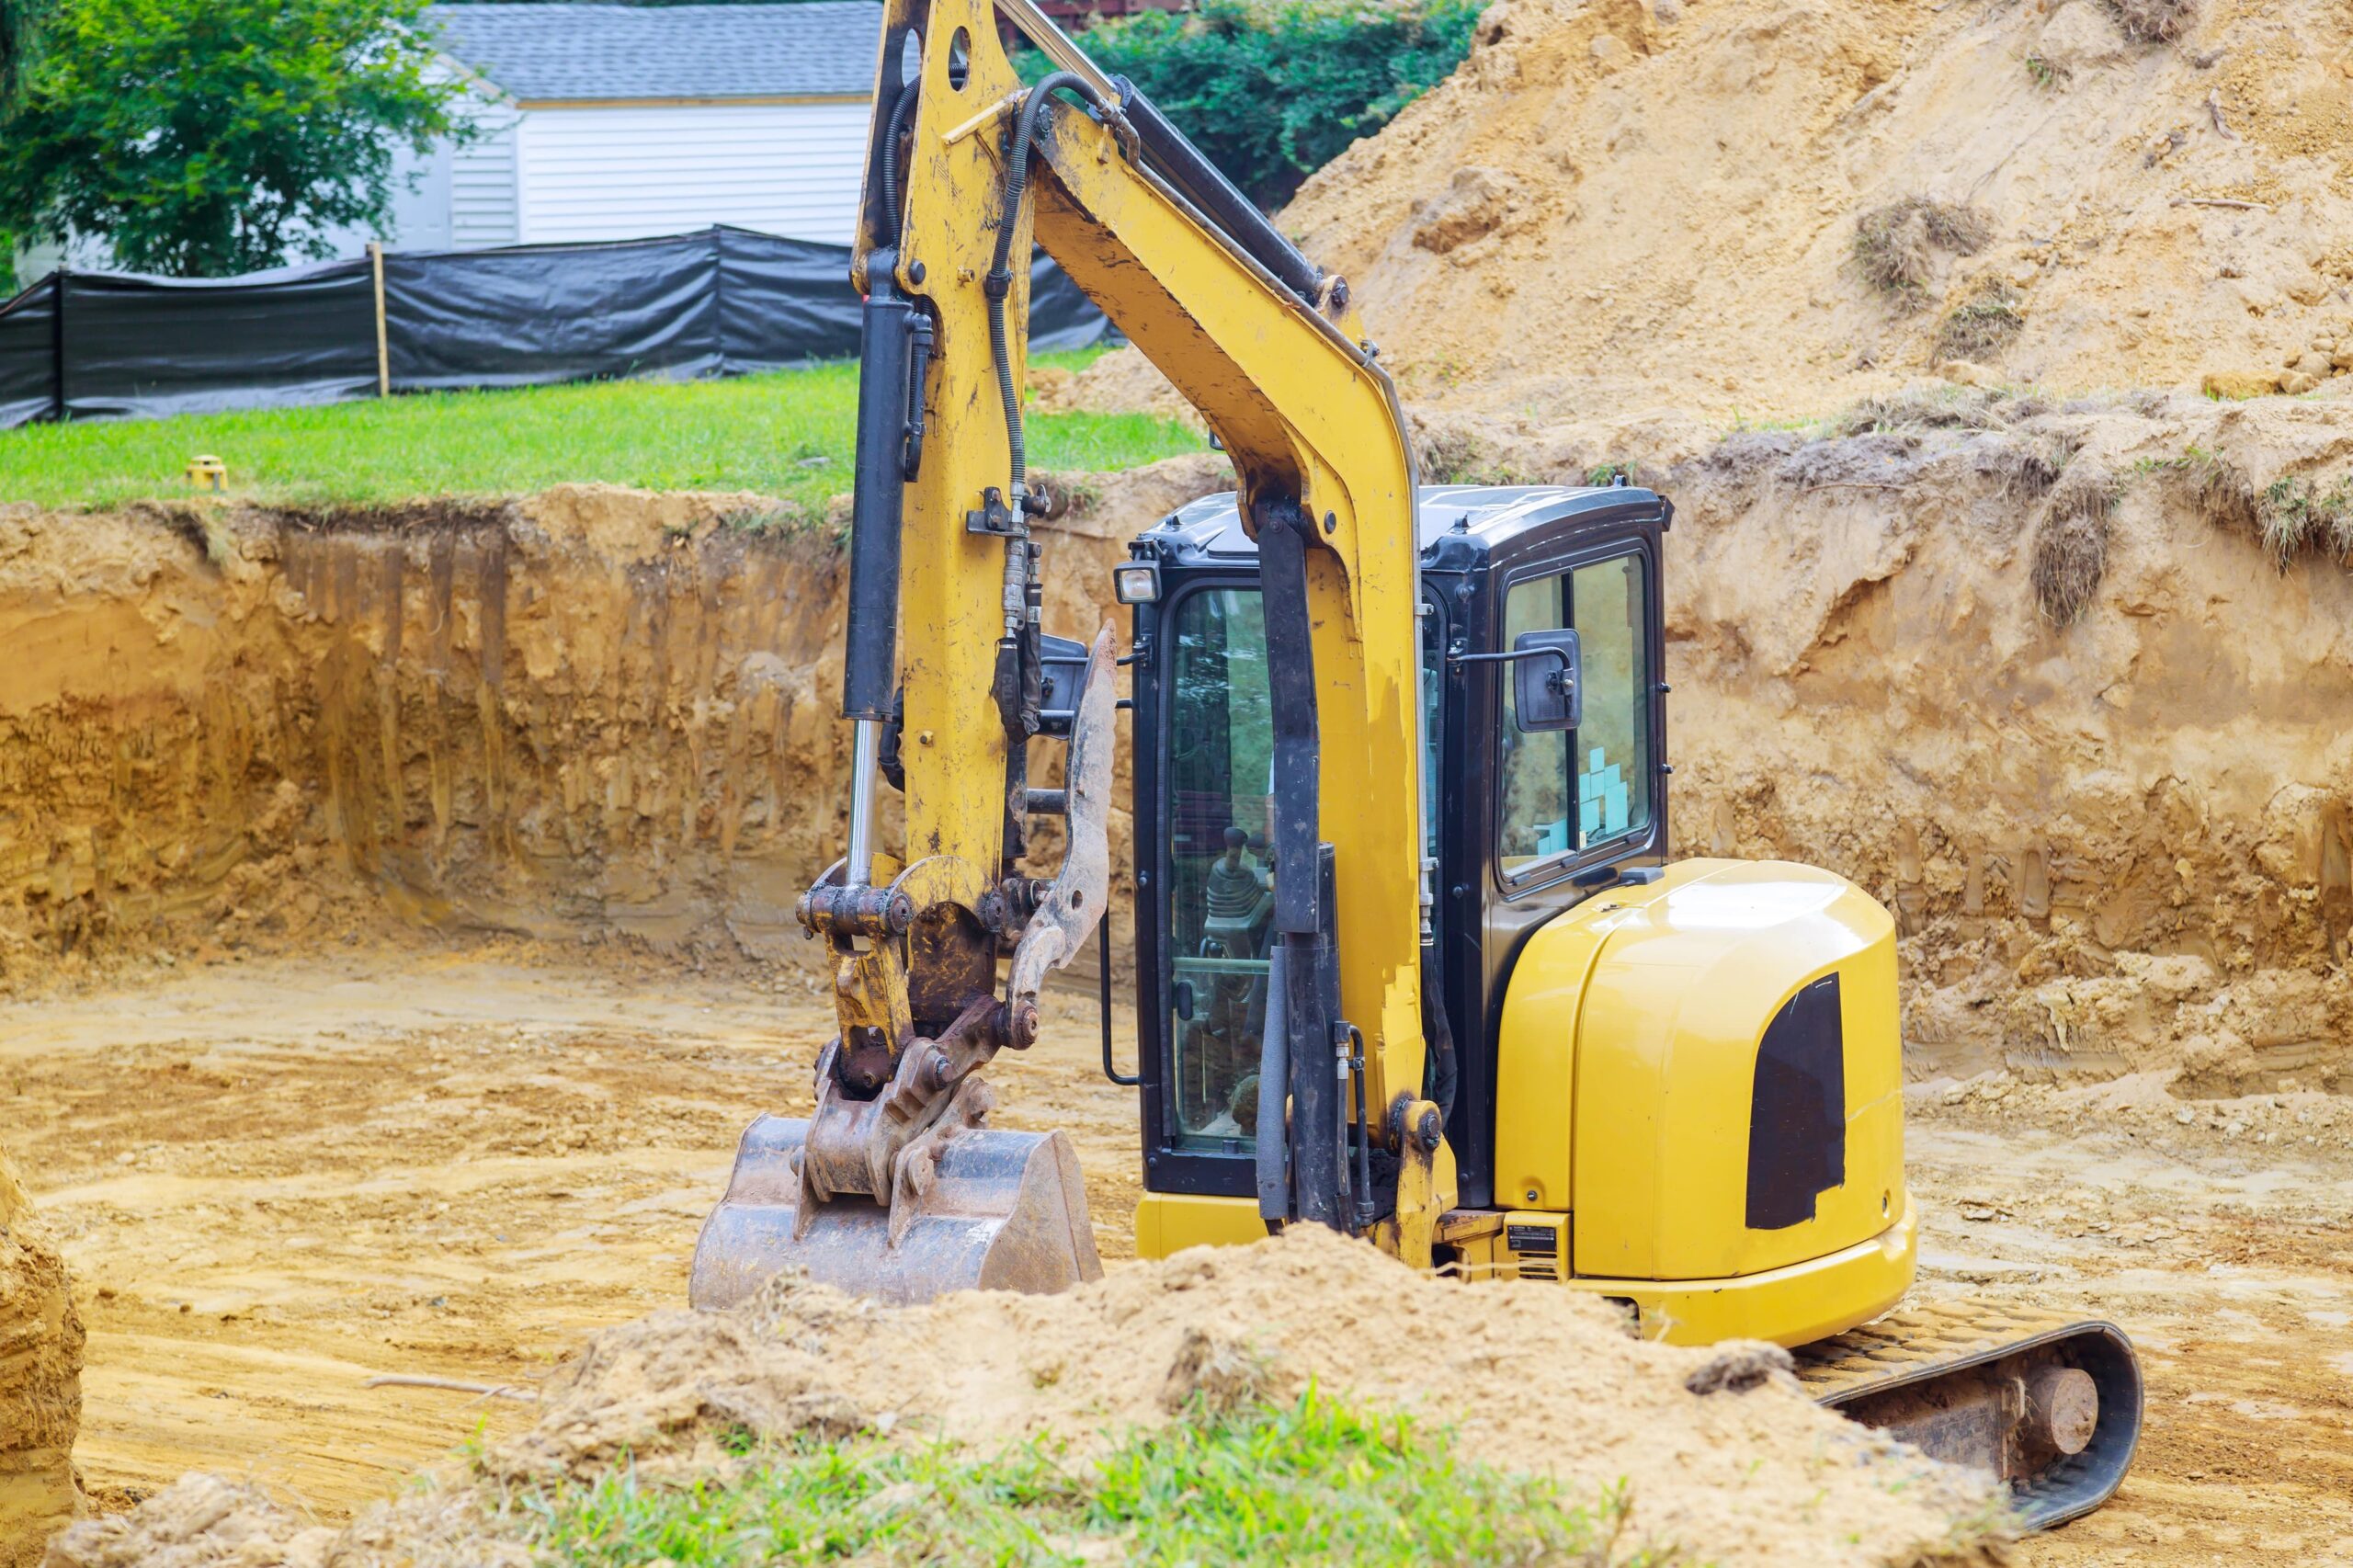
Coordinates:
(1567, 792)
(1220, 892)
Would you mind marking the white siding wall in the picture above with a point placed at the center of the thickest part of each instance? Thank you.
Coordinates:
(483, 210)
(616, 173)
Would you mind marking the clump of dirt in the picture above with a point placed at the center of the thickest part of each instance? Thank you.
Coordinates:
(1984, 323)
(1614, 204)
(1897, 245)
(2154, 21)
(1723, 1455)
(200, 1521)
(2071, 548)
(40, 1381)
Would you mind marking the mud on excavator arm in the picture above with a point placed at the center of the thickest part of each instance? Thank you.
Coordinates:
(895, 1185)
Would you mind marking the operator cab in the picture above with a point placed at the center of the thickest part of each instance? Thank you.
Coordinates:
(1544, 781)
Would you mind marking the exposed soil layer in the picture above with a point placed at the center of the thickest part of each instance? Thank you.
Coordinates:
(593, 712)
(427, 1160)
(1777, 206)
(2063, 684)
(2115, 844)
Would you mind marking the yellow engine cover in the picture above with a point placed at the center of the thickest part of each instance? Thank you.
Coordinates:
(1628, 1068)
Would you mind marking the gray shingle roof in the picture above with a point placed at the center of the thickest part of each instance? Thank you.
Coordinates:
(541, 51)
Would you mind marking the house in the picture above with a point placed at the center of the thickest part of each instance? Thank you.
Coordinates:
(608, 122)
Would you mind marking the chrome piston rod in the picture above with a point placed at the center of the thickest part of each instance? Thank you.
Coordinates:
(865, 763)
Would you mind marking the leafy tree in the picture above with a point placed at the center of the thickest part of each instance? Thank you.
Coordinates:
(208, 137)
(19, 28)
(1272, 90)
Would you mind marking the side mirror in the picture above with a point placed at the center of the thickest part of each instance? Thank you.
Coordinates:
(1548, 681)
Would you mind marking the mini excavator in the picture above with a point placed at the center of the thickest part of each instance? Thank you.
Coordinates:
(1400, 782)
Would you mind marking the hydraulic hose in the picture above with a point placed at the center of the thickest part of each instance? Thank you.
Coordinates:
(1444, 1068)
(998, 285)
(901, 114)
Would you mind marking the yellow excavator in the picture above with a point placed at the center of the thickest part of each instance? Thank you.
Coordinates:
(1411, 959)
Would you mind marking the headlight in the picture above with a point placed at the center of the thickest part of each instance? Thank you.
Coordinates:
(1136, 585)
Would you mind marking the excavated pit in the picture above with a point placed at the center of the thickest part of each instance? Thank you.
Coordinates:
(285, 790)
(2115, 845)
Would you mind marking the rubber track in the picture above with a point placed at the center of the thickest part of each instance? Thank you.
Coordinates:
(1930, 1342)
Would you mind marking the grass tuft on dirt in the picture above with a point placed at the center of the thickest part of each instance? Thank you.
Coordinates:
(2297, 514)
(790, 435)
(1982, 325)
(1310, 1481)
(2071, 551)
(2154, 21)
(1926, 407)
(1895, 245)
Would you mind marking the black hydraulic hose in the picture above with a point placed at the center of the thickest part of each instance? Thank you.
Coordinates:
(999, 282)
(1441, 1037)
(902, 113)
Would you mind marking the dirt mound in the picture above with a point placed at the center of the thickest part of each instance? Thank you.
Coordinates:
(40, 1381)
(594, 712)
(199, 1522)
(1777, 206)
(1528, 1376)
(1122, 381)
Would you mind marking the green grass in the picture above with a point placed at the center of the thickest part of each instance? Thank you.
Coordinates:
(1278, 1486)
(787, 434)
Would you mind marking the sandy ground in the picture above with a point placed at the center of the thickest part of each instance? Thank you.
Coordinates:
(277, 1178)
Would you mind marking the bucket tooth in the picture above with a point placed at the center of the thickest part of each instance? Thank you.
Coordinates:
(1006, 1212)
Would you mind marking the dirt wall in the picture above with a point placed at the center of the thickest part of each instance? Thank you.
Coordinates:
(2033, 676)
(589, 713)
(2114, 845)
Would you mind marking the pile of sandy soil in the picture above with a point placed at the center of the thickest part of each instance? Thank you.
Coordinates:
(1619, 204)
(1530, 1377)
(40, 1379)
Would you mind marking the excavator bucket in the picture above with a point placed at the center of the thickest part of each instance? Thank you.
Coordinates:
(1005, 1212)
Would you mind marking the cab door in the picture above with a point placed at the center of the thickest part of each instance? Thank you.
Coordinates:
(1539, 820)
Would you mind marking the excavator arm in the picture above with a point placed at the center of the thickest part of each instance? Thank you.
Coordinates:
(968, 168)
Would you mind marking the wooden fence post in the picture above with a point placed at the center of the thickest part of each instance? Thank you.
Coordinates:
(384, 353)
(57, 405)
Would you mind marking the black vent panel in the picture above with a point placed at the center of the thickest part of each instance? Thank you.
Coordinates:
(1797, 1112)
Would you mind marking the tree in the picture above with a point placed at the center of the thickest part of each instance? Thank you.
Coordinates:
(19, 28)
(1272, 90)
(208, 137)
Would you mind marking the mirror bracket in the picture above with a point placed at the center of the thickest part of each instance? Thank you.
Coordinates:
(1548, 684)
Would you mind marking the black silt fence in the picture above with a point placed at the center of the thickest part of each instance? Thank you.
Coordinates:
(719, 302)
